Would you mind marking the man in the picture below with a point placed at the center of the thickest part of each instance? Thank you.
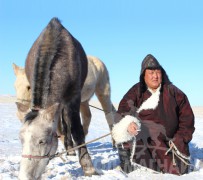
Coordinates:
(155, 123)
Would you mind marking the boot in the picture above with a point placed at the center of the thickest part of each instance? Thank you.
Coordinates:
(124, 155)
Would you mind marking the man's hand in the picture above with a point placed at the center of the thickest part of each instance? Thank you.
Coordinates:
(133, 129)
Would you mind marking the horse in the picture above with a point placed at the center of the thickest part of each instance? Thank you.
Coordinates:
(97, 82)
(56, 68)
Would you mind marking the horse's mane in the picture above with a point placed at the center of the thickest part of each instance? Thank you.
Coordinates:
(49, 47)
(31, 115)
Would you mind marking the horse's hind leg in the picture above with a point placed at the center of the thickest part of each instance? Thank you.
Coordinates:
(79, 137)
(86, 116)
(103, 94)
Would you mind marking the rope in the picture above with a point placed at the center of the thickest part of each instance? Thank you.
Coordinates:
(99, 109)
(74, 148)
(175, 152)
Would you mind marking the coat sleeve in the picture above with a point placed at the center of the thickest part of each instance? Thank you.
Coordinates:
(125, 115)
(186, 122)
(120, 130)
(127, 104)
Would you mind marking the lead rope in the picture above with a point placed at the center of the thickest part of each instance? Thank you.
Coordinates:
(106, 112)
(74, 148)
(175, 153)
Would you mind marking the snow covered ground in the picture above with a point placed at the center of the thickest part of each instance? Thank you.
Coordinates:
(104, 157)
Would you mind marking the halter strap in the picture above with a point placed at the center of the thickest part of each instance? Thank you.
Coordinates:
(23, 100)
(35, 157)
(41, 157)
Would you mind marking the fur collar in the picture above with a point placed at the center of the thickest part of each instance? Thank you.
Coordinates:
(152, 101)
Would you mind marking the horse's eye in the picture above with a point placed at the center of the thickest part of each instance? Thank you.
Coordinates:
(28, 88)
(42, 142)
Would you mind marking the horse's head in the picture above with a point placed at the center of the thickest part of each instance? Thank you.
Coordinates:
(22, 86)
(39, 141)
(23, 91)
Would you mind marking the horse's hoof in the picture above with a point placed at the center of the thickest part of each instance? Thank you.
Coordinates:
(90, 172)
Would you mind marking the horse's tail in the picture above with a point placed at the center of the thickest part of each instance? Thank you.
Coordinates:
(47, 51)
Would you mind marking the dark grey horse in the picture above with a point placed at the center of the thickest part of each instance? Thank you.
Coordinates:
(56, 68)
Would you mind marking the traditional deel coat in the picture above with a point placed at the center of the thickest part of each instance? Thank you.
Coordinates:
(165, 116)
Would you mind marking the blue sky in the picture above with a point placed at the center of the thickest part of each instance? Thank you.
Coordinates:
(120, 32)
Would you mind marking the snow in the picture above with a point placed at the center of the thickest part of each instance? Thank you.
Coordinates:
(104, 157)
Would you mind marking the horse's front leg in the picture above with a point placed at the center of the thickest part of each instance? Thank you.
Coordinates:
(107, 107)
(67, 139)
(79, 138)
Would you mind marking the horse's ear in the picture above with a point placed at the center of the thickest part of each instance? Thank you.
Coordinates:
(51, 111)
(15, 68)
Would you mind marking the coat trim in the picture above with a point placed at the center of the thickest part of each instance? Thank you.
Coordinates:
(152, 102)
(133, 151)
(119, 131)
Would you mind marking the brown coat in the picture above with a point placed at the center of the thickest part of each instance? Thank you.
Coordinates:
(172, 119)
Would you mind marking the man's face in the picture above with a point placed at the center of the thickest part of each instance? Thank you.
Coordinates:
(153, 78)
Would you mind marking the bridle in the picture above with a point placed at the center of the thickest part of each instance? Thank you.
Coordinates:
(44, 156)
(23, 100)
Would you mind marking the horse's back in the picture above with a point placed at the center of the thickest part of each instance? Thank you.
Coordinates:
(99, 66)
(56, 65)
(97, 76)
(103, 80)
